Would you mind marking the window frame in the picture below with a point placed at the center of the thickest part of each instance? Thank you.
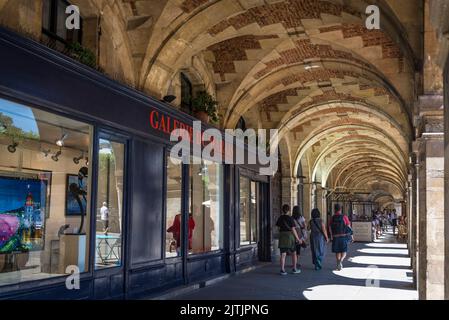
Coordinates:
(104, 134)
(165, 208)
(251, 214)
(53, 21)
(56, 280)
(222, 208)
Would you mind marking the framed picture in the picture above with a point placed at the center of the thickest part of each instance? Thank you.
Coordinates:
(43, 175)
(76, 201)
(24, 201)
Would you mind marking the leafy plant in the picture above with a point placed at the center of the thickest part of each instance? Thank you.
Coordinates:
(204, 102)
(9, 129)
(82, 54)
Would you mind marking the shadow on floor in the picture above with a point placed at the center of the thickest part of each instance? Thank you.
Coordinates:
(373, 271)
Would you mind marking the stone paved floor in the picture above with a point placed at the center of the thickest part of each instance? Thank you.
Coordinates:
(373, 271)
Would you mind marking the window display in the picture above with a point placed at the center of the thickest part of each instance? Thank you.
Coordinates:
(248, 211)
(41, 231)
(109, 204)
(173, 214)
(206, 207)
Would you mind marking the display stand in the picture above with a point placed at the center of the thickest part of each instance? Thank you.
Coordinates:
(362, 231)
(72, 252)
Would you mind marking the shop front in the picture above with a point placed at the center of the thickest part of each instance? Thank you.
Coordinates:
(88, 189)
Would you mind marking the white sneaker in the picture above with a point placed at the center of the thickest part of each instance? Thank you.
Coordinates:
(339, 266)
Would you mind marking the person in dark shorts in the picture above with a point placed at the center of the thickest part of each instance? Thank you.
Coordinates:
(340, 238)
(300, 226)
(288, 237)
(394, 220)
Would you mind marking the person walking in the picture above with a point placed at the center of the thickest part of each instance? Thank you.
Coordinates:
(104, 216)
(394, 221)
(300, 226)
(339, 228)
(318, 239)
(288, 238)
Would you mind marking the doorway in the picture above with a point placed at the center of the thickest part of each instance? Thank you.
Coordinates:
(254, 218)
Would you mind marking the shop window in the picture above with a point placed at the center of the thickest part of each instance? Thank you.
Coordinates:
(186, 93)
(109, 204)
(248, 211)
(44, 194)
(174, 212)
(54, 28)
(206, 207)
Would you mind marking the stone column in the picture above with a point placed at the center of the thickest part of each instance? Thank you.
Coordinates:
(412, 220)
(307, 200)
(289, 191)
(431, 216)
(320, 196)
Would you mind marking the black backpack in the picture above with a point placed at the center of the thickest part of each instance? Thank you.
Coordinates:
(338, 225)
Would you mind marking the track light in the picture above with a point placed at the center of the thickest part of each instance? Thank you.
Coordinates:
(60, 141)
(55, 157)
(13, 147)
(76, 160)
(46, 152)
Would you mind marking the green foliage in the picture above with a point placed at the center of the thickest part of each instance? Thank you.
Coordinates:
(14, 132)
(82, 54)
(204, 102)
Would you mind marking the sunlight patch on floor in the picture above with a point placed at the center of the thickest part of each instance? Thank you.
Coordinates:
(373, 273)
(387, 245)
(381, 261)
(400, 252)
(347, 292)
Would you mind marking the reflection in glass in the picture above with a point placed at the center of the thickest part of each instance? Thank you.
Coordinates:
(38, 238)
(206, 207)
(253, 205)
(245, 226)
(174, 217)
(248, 211)
(109, 204)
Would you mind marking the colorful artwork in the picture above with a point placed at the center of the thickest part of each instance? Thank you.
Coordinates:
(23, 203)
(76, 191)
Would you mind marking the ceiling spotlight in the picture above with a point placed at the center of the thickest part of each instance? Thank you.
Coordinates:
(76, 160)
(13, 147)
(60, 141)
(55, 157)
(46, 152)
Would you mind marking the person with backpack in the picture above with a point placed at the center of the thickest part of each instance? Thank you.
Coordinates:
(318, 239)
(288, 238)
(340, 231)
(300, 226)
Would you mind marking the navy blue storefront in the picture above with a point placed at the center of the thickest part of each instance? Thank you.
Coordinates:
(101, 120)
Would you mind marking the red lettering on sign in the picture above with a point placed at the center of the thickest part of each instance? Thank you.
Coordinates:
(154, 122)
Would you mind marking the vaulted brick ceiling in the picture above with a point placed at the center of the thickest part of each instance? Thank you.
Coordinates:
(307, 67)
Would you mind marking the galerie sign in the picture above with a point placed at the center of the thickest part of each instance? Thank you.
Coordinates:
(214, 145)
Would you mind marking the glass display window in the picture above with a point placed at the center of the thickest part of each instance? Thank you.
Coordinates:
(44, 194)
